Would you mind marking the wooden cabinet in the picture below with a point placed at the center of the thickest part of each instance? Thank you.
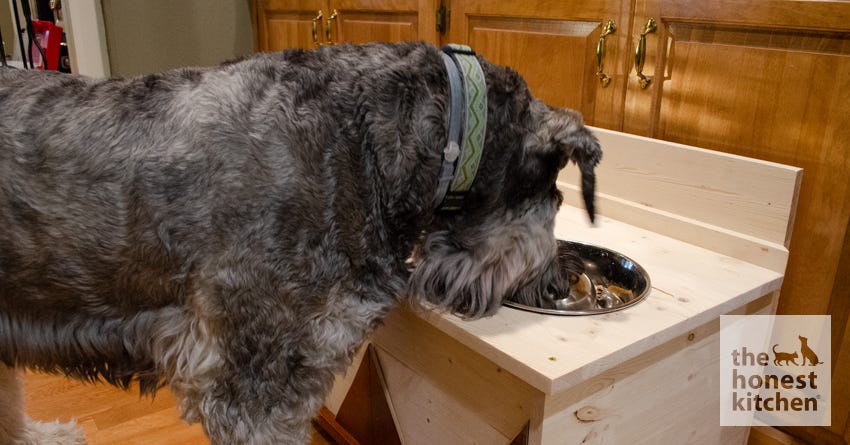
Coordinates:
(553, 45)
(763, 79)
(282, 24)
(362, 21)
(768, 80)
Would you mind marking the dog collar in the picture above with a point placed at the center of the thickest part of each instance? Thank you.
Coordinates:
(467, 112)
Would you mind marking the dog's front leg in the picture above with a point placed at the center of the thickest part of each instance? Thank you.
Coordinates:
(278, 349)
(245, 409)
(270, 394)
(264, 389)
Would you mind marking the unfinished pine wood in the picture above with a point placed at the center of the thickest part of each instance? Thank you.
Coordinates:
(342, 382)
(327, 423)
(604, 379)
(666, 395)
(690, 286)
(427, 415)
(747, 196)
(366, 413)
(464, 380)
(740, 207)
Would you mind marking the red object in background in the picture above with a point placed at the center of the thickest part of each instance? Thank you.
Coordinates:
(49, 36)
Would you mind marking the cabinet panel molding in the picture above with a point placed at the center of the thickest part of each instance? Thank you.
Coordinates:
(364, 27)
(524, 43)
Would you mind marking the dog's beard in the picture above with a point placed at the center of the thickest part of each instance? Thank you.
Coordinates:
(472, 276)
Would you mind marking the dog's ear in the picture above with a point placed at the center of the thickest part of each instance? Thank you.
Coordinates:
(562, 133)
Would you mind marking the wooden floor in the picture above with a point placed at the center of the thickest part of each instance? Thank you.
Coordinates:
(111, 416)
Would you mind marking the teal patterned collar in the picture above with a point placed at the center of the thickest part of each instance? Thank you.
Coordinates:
(467, 127)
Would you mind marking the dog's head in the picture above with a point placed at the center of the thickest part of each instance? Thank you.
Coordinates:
(501, 244)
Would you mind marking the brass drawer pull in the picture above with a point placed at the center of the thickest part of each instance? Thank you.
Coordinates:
(316, 21)
(609, 28)
(328, 38)
(640, 53)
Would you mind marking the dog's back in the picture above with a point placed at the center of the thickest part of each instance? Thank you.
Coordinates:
(115, 194)
(93, 250)
(105, 188)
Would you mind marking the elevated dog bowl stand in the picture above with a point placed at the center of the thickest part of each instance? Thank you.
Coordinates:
(712, 231)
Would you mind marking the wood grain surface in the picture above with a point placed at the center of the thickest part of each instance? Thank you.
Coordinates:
(111, 416)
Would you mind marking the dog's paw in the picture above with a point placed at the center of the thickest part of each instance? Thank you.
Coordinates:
(52, 433)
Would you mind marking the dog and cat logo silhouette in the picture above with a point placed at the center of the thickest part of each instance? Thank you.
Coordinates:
(775, 370)
(808, 353)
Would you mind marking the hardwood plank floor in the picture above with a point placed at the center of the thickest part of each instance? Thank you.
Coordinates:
(110, 416)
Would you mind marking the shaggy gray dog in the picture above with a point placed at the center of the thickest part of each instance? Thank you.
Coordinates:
(235, 233)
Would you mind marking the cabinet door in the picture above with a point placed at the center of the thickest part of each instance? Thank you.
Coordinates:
(553, 46)
(769, 80)
(363, 21)
(282, 24)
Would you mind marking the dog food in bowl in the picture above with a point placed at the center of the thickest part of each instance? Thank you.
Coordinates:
(610, 282)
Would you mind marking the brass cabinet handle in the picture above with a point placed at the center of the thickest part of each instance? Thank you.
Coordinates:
(328, 38)
(609, 28)
(640, 53)
(316, 21)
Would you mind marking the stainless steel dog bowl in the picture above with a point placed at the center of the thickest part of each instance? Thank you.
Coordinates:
(610, 282)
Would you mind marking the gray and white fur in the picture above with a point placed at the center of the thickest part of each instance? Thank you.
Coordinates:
(236, 232)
